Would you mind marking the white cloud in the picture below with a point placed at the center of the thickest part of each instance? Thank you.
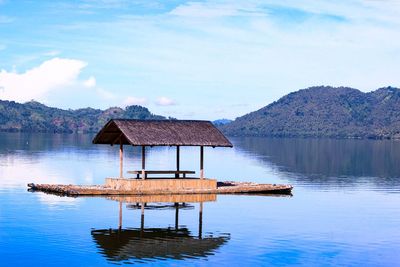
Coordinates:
(130, 100)
(89, 83)
(36, 83)
(52, 53)
(54, 201)
(165, 101)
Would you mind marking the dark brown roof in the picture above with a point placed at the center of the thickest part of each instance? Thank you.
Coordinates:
(161, 133)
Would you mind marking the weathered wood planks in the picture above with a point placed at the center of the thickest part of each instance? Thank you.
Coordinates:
(222, 188)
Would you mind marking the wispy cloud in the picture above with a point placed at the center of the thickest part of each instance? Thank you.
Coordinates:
(131, 100)
(204, 10)
(6, 19)
(104, 94)
(249, 52)
(52, 53)
(91, 82)
(107, 4)
(165, 101)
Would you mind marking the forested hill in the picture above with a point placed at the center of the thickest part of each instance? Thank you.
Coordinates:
(36, 117)
(337, 112)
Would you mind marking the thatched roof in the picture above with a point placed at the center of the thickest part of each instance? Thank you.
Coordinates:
(161, 133)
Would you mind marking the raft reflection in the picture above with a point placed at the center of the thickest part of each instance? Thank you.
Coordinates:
(141, 244)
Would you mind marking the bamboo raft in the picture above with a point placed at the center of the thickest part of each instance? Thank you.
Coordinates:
(227, 187)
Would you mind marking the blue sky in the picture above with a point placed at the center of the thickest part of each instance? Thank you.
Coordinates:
(196, 59)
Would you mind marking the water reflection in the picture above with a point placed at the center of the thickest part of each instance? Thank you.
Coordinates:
(358, 226)
(329, 160)
(37, 142)
(149, 243)
(154, 243)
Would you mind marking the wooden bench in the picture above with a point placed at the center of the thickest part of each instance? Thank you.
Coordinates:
(177, 173)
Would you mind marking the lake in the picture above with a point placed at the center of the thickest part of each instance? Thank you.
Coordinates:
(345, 208)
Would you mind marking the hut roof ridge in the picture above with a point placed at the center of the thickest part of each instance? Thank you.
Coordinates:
(159, 120)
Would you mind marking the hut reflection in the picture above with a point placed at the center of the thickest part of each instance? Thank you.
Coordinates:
(142, 243)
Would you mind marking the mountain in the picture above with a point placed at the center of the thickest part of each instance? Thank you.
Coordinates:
(36, 117)
(336, 112)
(221, 122)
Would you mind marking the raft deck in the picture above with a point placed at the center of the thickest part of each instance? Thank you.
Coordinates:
(227, 187)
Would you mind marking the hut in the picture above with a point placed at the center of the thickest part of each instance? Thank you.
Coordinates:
(150, 133)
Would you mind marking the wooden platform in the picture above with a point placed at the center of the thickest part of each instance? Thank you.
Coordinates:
(107, 189)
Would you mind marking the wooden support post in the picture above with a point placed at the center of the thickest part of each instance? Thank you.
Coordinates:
(120, 215)
(176, 216)
(201, 162)
(200, 220)
(143, 162)
(121, 158)
(142, 221)
(177, 161)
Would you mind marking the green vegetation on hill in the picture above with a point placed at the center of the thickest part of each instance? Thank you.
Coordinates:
(324, 111)
(221, 122)
(36, 117)
(338, 112)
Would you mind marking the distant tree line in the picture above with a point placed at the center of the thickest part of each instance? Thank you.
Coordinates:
(36, 117)
(323, 111)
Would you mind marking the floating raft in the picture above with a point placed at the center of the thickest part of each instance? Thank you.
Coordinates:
(227, 187)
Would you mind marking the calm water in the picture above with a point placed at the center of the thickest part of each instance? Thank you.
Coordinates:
(345, 209)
